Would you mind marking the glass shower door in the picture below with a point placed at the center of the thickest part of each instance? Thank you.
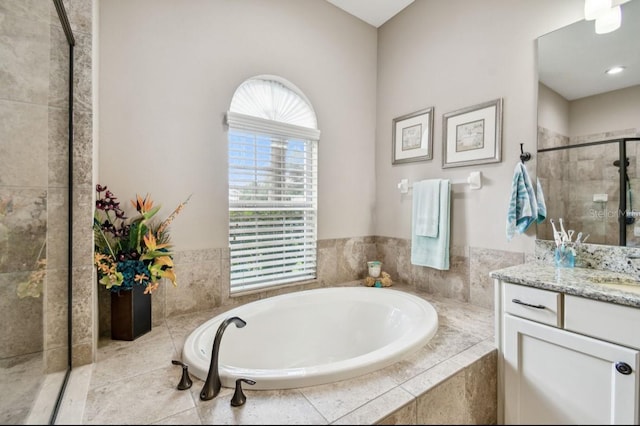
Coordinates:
(35, 126)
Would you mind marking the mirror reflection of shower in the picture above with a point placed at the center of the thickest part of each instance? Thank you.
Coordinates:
(629, 214)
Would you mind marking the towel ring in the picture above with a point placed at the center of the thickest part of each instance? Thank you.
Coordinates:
(524, 156)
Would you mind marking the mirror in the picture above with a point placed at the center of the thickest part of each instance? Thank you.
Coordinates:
(588, 121)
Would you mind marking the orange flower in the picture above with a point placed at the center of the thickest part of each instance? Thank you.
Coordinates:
(151, 287)
(143, 205)
(151, 242)
(140, 278)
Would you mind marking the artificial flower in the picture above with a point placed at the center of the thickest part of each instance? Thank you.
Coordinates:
(131, 251)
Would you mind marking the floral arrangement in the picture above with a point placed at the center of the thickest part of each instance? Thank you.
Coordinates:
(131, 251)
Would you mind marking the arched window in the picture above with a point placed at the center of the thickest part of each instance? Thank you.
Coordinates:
(273, 176)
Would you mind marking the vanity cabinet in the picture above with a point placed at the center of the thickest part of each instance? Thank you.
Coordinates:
(565, 359)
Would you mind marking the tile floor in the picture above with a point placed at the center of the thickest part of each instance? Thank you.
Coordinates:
(135, 382)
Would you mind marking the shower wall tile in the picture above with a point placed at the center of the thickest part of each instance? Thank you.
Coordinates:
(79, 13)
(83, 354)
(22, 318)
(550, 139)
(24, 131)
(24, 42)
(59, 54)
(481, 262)
(83, 290)
(82, 235)
(23, 227)
(57, 228)
(56, 359)
(82, 73)
(57, 152)
(603, 136)
(55, 315)
(83, 149)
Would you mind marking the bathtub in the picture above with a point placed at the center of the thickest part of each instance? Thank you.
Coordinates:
(313, 337)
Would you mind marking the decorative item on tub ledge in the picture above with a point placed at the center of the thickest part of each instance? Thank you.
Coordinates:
(131, 256)
(384, 280)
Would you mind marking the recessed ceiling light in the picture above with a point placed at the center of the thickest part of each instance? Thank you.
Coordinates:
(614, 70)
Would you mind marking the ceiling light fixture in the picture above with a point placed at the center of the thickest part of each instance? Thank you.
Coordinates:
(614, 70)
(593, 9)
(609, 21)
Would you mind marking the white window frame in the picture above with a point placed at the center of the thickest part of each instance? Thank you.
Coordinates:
(272, 201)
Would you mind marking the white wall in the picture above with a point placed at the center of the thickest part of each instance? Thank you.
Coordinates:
(615, 110)
(553, 110)
(168, 70)
(450, 55)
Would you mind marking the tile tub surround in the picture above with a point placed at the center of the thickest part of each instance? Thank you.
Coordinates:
(203, 275)
(450, 380)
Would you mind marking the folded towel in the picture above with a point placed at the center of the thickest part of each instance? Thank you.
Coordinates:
(542, 206)
(523, 207)
(434, 251)
(426, 207)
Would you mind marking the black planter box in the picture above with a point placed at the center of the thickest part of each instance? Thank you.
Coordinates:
(130, 313)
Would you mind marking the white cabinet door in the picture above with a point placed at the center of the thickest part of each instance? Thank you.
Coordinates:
(556, 377)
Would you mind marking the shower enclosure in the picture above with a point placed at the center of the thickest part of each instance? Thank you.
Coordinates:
(593, 189)
(36, 79)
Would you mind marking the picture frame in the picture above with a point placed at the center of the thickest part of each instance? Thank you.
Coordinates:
(472, 135)
(413, 137)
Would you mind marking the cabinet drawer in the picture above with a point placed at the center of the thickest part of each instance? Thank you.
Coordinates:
(603, 320)
(532, 303)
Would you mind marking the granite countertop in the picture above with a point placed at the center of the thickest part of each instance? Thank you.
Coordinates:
(607, 286)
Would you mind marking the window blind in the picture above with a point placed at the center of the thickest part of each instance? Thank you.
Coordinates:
(272, 203)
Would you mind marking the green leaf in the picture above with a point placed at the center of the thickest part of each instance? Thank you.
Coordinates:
(148, 215)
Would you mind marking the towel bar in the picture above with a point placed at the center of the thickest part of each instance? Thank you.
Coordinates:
(474, 180)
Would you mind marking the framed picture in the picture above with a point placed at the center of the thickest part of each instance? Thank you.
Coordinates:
(472, 135)
(413, 137)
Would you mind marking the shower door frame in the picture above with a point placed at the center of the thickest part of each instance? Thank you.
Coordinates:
(64, 21)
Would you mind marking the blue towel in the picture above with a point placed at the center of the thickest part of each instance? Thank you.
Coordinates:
(426, 207)
(523, 206)
(430, 251)
(542, 206)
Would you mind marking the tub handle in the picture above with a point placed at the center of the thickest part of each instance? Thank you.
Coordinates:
(238, 396)
(185, 380)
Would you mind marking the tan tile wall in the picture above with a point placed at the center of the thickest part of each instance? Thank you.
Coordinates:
(203, 275)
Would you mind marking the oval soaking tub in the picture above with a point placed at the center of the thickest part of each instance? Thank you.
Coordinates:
(313, 337)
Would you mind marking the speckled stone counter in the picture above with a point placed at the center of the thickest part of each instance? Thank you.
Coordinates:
(607, 286)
